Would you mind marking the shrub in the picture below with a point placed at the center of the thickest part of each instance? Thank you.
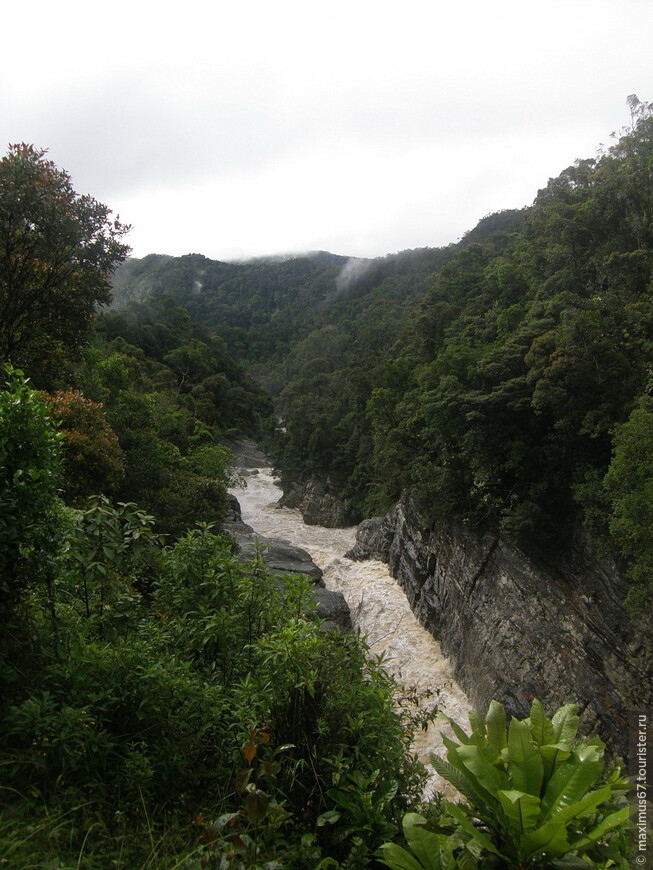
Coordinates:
(29, 477)
(536, 797)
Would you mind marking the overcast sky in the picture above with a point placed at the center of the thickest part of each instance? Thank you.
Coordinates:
(256, 127)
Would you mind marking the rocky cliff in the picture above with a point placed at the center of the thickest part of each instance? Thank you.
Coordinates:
(514, 629)
(316, 503)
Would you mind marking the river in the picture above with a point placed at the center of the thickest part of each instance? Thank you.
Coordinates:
(378, 606)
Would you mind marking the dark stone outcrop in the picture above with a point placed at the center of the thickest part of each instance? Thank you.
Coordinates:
(280, 556)
(333, 609)
(283, 558)
(248, 455)
(513, 629)
(317, 505)
(233, 518)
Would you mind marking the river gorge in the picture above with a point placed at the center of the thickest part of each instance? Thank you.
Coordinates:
(507, 627)
(378, 606)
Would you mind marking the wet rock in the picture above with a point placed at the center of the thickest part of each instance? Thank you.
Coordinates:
(317, 505)
(248, 454)
(373, 540)
(513, 629)
(280, 556)
(233, 521)
(283, 558)
(232, 512)
(333, 609)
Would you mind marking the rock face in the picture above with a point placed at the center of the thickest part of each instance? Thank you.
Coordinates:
(283, 558)
(247, 454)
(515, 630)
(317, 505)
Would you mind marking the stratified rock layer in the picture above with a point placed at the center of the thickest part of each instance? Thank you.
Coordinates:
(515, 630)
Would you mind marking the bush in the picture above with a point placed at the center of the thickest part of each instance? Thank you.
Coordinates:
(215, 693)
(29, 477)
(93, 460)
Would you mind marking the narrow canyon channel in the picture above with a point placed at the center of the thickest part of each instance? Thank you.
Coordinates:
(379, 609)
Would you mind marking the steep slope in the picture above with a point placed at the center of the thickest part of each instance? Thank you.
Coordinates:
(516, 628)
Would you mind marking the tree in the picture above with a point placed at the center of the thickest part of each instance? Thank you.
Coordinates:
(629, 486)
(57, 251)
(92, 458)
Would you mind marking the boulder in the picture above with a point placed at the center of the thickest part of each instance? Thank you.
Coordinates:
(333, 609)
(280, 556)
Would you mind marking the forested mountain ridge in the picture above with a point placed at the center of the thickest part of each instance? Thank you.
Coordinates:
(513, 391)
(265, 307)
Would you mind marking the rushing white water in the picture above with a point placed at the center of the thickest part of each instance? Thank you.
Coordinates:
(379, 608)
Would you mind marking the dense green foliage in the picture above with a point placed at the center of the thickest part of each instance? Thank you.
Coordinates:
(146, 685)
(29, 465)
(527, 351)
(156, 400)
(629, 487)
(536, 797)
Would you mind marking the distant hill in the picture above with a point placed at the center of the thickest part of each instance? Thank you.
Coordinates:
(263, 308)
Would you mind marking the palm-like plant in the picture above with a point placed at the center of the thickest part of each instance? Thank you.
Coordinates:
(536, 797)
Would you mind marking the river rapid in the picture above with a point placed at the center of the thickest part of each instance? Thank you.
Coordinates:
(379, 609)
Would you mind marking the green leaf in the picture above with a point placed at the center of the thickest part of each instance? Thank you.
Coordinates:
(541, 726)
(522, 810)
(385, 792)
(412, 819)
(614, 820)
(462, 736)
(550, 838)
(569, 862)
(466, 861)
(572, 780)
(257, 804)
(495, 725)
(478, 726)
(565, 724)
(525, 766)
(342, 799)
(328, 818)
(488, 777)
(585, 806)
(433, 851)
(553, 755)
(458, 813)
(458, 779)
(396, 858)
